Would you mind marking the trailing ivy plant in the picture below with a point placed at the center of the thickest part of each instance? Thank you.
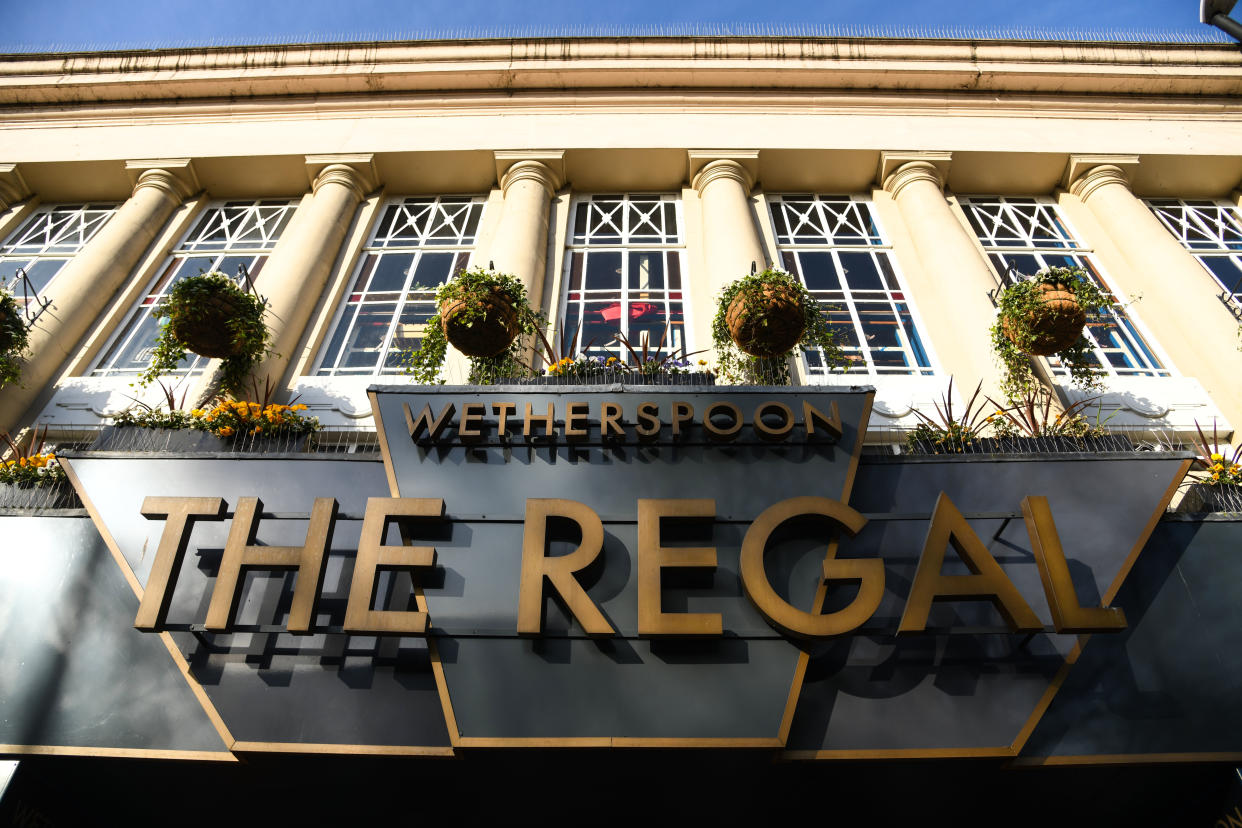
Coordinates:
(13, 339)
(473, 287)
(186, 300)
(1016, 303)
(736, 366)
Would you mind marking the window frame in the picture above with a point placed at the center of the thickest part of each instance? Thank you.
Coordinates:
(47, 251)
(624, 247)
(137, 316)
(878, 244)
(1142, 343)
(370, 248)
(1218, 248)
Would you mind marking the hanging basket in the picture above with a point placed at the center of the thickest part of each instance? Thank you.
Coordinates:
(482, 328)
(1054, 325)
(205, 329)
(769, 324)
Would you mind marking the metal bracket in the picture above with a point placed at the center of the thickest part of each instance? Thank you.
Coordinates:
(31, 297)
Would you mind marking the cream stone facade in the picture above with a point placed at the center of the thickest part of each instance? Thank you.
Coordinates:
(722, 129)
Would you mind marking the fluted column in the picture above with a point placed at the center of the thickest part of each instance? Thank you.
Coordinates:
(85, 286)
(297, 272)
(953, 297)
(521, 242)
(731, 241)
(1179, 301)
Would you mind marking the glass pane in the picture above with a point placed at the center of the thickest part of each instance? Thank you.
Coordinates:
(390, 273)
(860, 271)
(367, 336)
(603, 271)
(819, 272)
(646, 271)
(433, 269)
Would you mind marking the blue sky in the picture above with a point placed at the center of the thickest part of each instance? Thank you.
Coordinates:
(132, 22)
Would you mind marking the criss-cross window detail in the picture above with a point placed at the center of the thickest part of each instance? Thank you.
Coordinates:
(833, 244)
(1212, 232)
(229, 235)
(624, 274)
(46, 242)
(1025, 236)
(417, 245)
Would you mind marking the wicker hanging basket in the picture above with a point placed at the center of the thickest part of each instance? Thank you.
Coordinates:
(772, 324)
(1054, 326)
(491, 330)
(205, 329)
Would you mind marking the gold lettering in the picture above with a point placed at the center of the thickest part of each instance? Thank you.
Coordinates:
(831, 424)
(548, 420)
(559, 570)
(785, 616)
(716, 432)
(240, 550)
(1068, 616)
(610, 420)
(425, 421)
(987, 580)
(374, 553)
(576, 420)
(766, 431)
(653, 558)
(179, 515)
(648, 425)
(469, 420)
(683, 412)
(503, 410)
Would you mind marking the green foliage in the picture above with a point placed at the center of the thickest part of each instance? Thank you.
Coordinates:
(31, 466)
(1032, 415)
(186, 300)
(734, 365)
(13, 331)
(1016, 303)
(950, 432)
(473, 287)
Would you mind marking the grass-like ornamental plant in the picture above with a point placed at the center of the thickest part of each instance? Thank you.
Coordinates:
(210, 315)
(13, 339)
(761, 319)
(1037, 317)
(478, 311)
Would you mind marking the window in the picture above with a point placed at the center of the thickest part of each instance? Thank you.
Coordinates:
(46, 242)
(624, 274)
(417, 244)
(832, 243)
(1028, 235)
(227, 236)
(1212, 233)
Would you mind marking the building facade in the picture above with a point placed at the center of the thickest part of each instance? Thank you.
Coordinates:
(625, 182)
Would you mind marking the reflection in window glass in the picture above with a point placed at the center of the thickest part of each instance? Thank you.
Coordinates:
(226, 238)
(1027, 235)
(417, 245)
(624, 274)
(832, 243)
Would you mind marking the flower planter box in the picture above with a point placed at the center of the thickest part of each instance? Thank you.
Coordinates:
(134, 438)
(1031, 445)
(1201, 498)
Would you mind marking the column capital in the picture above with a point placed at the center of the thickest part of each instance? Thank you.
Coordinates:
(355, 172)
(899, 168)
(1084, 174)
(173, 176)
(723, 168)
(12, 186)
(530, 169)
(742, 165)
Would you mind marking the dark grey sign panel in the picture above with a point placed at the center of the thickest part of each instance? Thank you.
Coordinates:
(73, 670)
(1171, 682)
(268, 685)
(958, 690)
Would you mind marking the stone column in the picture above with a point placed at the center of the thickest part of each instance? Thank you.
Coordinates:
(85, 286)
(1177, 298)
(953, 297)
(731, 242)
(528, 181)
(294, 277)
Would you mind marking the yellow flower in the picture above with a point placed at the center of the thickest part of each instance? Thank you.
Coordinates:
(298, 407)
(1218, 457)
(227, 431)
(257, 430)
